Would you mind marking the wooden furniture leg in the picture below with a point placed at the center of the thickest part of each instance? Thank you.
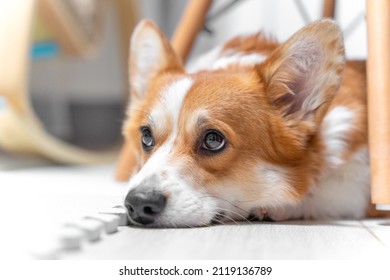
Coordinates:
(189, 26)
(20, 128)
(329, 8)
(378, 79)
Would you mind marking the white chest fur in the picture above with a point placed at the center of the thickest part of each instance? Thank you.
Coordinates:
(343, 191)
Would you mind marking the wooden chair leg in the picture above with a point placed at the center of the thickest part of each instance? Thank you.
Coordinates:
(329, 8)
(189, 26)
(378, 79)
(20, 128)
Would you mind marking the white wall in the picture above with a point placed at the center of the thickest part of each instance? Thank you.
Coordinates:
(281, 18)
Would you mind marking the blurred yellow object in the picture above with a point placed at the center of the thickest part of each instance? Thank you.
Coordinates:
(40, 31)
(20, 129)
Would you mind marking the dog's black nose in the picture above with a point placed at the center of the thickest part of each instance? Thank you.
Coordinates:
(143, 207)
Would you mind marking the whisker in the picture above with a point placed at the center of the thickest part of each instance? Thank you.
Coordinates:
(227, 217)
(218, 221)
(238, 214)
(234, 212)
(228, 201)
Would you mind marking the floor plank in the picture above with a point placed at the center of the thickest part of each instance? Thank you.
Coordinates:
(290, 240)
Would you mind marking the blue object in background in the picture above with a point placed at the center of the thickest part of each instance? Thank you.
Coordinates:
(41, 50)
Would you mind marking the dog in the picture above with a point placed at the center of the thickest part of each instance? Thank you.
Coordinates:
(257, 129)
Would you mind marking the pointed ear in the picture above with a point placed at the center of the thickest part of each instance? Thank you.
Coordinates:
(302, 75)
(150, 55)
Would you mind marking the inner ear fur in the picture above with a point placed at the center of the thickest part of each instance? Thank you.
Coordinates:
(150, 55)
(303, 75)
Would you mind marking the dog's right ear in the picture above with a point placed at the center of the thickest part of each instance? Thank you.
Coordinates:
(150, 55)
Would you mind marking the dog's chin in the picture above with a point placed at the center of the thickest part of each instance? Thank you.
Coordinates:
(175, 222)
(172, 224)
(220, 218)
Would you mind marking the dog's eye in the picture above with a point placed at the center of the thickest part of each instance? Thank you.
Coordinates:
(213, 141)
(147, 138)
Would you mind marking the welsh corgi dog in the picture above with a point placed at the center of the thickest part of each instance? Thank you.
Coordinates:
(256, 129)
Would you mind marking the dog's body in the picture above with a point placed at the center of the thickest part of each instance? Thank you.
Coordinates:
(258, 129)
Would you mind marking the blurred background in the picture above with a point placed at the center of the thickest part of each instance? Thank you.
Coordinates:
(80, 96)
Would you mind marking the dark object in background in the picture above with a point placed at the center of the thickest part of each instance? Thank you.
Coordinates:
(94, 126)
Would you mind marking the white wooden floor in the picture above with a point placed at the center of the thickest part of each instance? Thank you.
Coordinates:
(35, 201)
(291, 240)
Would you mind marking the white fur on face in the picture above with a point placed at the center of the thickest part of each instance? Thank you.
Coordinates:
(186, 205)
(267, 189)
(272, 188)
(169, 107)
(170, 104)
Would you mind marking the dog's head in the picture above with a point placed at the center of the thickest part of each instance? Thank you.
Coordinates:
(218, 145)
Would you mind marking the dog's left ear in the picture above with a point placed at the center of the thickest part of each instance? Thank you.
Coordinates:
(150, 55)
(302, 75)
